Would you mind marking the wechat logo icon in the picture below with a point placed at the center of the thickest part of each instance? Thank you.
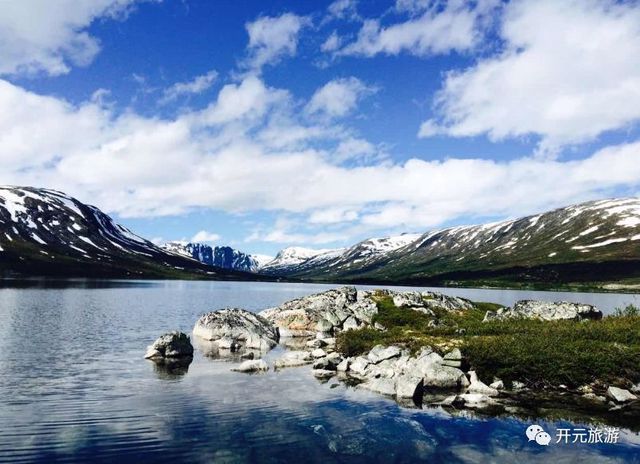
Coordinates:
(536, 433)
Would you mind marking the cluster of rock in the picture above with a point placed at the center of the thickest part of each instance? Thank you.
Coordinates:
(546, 311)
(390, 370)
(347, 308)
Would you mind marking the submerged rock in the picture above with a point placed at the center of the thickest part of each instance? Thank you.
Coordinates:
(546, 311)
(170, 345)
(293, 359)
(251, 365)
(237, 327)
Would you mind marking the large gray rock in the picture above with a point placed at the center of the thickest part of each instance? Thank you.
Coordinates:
(305, 316)
(170, 345)
(619, 395)
(444, 377)
(239, 327)
(546, 311)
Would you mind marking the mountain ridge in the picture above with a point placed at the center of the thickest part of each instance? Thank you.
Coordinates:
(45, 232)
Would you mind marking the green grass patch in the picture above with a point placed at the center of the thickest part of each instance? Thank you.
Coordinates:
(536, 352)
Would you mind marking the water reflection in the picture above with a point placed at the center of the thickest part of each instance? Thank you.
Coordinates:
(74, 387)
(171, 369)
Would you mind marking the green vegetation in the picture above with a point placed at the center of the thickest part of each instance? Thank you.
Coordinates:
(537, 352)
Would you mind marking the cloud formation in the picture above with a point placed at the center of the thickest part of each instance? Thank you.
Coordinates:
(193, 87)
(436, 30)
(338, 97)
(569, 71)
(216, 158)
(50, 36)
(273, 38)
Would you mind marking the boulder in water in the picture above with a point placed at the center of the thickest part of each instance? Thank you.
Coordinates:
(172, 345)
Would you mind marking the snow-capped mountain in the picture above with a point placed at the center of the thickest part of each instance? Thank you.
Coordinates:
(596, 241)
(291, 259)
(221, 256)
(45, 232)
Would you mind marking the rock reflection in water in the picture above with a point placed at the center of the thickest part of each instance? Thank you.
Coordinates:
(171, 369)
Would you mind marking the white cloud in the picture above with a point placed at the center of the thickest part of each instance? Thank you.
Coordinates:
(456, 27)
(273, 38)
(343, 9)
(569, 71)
(204, 236)
(39, 36)
(195, 86)
(219, 158)
(332, 43)
(338, 97)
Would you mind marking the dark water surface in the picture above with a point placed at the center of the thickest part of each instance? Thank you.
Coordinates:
(74, 388)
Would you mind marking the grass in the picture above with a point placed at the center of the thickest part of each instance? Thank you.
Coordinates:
(539, 353)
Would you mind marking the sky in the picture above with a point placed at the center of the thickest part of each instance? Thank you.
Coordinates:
(269, 123)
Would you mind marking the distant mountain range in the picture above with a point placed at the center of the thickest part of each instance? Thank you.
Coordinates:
(47, 233)
(44, 232)
(220, 256)
(595, 243)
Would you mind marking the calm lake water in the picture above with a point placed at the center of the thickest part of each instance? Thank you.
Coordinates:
(75, 388)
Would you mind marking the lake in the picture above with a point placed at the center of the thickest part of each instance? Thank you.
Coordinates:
(74, 387)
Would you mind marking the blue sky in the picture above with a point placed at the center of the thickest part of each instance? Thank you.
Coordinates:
(265, 124)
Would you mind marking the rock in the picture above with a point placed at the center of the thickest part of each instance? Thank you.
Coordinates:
(326, 364)
(324, 326)
(474, 400)
(453, 355)
(408, 299)
(318, 353)
(381, 385)
(316, 343)
(293, 359)
(450, 303)
(344, 365)
(248, 355)
(517, 385)
(452, 363)
(620, 395)
(359, 365)
(380, 353)
(300, 317)
(323, 373)
(546, 311)
(350, 324)
(444, 377)
(636, 388)
(251, 365)
(449, 400)
(241, 327)
(497, 384)
(409, 386)
(476, 386)
(228, 344)
(170, 345)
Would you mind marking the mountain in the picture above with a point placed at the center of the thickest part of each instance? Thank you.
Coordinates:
(296, 259)
(220, 256)
(596, 243)
(47, 233)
